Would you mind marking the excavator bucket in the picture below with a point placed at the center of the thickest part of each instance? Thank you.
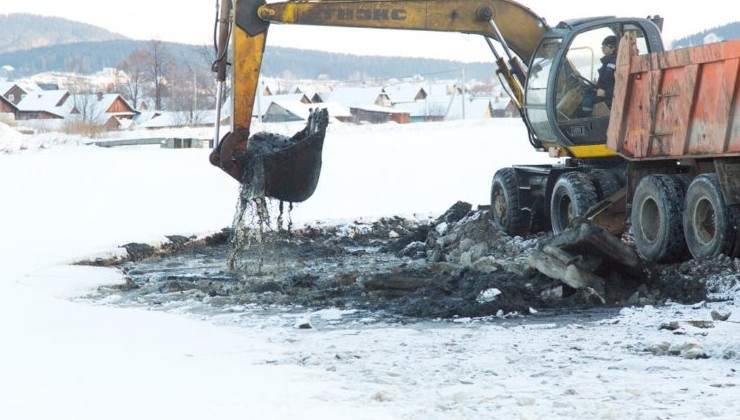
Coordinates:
(292, 173)
(276, 166)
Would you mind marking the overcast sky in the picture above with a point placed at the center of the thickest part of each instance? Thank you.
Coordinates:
(192, 22)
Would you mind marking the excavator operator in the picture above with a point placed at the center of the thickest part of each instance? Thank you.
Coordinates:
(604, 90)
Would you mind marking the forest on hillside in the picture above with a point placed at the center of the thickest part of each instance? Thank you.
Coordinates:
(90, 57)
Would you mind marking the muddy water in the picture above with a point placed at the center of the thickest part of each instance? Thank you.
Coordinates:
(318, 269)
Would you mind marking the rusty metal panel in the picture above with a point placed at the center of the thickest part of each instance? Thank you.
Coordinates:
(677, 104)
(728, 171)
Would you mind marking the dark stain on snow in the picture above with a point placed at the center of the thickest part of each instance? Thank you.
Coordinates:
(458, 265)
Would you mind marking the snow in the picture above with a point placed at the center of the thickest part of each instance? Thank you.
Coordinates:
(63, 357)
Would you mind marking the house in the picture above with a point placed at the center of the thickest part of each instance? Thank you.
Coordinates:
(430, 109)
(109, 110)
(30, 103)
(285, 111)
(338, 111)
(376, 114)
(405, 93)
(288, 111)
(504, 107)
(354, 96)
(263, 102)
(7, 107)
(45, 105)
(15, 92)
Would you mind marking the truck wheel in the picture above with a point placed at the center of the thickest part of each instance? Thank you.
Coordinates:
(505, 208)
(657, 207)
(708, 223)
(606, 182)
(573, 194)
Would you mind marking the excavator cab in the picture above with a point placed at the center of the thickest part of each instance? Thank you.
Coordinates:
(563, 70)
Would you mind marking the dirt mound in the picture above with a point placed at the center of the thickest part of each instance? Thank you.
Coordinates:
(458, 265)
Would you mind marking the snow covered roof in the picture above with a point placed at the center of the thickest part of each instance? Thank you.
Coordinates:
(352, 96)
(167, 119)
(449, 107)
(302, 111)
(473, 108)
(379, 108)
(442, 89)
(336, 109)
(297, 109)
(57, 102)
(405, 93)
(500, 103)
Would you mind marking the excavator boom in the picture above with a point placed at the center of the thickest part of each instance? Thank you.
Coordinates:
(519, 26)
(505, 21)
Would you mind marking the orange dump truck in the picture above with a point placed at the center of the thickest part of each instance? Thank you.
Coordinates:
(676, 119)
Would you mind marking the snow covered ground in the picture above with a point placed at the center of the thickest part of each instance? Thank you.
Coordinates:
(62, 358)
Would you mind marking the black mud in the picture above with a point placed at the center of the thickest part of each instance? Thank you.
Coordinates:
(458, 265)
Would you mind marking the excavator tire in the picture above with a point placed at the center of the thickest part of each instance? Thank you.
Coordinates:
(657, 227)
(574, 193)
(506, 211)
(708, 223)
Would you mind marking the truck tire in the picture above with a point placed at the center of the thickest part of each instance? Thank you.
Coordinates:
(708, 223)
(605, 181)
(506, 210)
(657, 222)
(572, 196)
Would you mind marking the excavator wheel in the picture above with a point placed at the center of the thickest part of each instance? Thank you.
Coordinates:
(505, 205)
(574, 193)
(657, 227)
(708, 222)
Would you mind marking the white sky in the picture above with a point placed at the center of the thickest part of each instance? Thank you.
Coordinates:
(192, 22)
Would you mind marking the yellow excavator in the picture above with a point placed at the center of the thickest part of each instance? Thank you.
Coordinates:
(630, 166)
(561, 63)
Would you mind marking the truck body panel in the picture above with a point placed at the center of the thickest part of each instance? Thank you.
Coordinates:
(677, 104)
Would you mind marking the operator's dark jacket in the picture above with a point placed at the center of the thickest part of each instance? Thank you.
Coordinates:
(606, 77)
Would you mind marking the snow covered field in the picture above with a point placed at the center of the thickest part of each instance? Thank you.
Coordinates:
(62, 358)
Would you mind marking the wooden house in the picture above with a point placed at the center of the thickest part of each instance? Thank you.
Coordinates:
(109, 110)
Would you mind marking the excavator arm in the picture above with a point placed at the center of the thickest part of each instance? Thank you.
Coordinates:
(519, 26)
(514, 26)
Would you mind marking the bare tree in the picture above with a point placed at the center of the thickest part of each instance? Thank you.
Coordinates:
(193, 88)
(160, 65)
(206, 79)
(88, 112)
(136, 67)
(184, 95)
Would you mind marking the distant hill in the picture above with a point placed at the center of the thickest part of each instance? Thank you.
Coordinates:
(19, 31)
(85, 57)
(720, 33)
(89, 57)
(35, 44)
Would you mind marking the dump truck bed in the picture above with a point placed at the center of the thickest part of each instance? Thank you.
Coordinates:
(677, 104)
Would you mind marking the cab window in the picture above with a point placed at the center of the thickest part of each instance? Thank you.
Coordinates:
(536, 90)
